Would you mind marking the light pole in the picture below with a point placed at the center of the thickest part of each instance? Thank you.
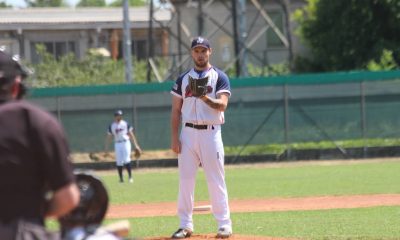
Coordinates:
(127, 43)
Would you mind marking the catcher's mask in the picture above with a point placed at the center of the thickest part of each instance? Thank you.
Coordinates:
(92, 206)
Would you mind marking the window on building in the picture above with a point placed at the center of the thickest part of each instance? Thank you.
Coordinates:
(138, 48)
(56, 48)
(272, 38)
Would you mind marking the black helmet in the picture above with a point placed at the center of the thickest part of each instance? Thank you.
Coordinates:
(118, 113)
(10, 66)
(92, 206)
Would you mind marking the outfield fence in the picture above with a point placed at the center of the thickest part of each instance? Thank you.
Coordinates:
(262, 110)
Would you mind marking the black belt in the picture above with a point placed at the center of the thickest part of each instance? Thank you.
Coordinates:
(200, 127)
(121, 141)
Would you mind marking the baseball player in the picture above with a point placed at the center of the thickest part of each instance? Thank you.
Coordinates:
(200, 97)
(123, 134)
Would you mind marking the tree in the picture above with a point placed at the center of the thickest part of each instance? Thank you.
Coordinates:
(4, 5)
(118, 3)
(44, 3)
(348, 34)
(91, 3)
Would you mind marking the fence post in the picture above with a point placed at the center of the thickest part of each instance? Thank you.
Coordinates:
(134, 119)
(286, 117)
(58, 109)
(363, 118)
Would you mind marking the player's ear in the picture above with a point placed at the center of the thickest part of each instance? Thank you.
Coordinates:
(16, 87)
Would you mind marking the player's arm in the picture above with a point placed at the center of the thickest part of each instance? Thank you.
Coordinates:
(175, 123)
(107, 141)
(63, 201)
(134, 140)
(220, 103)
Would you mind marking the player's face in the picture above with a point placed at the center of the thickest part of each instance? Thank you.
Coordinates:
(118, 118)
(201, 56)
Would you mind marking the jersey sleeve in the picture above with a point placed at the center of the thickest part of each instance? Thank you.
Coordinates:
(223, 84)
(129, 127)
(176, 89)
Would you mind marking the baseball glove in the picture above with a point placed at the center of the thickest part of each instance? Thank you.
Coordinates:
(137, 153)
(100, 156)
(198, 87)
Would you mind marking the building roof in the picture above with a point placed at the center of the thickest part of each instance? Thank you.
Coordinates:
(63, 18)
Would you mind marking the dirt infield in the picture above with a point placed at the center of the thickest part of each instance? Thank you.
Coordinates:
(260, 205)
(257, 205)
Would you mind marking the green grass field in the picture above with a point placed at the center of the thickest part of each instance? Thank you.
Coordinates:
(275, 180)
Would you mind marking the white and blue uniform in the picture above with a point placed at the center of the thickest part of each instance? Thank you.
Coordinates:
(201, 144)
(122, 144)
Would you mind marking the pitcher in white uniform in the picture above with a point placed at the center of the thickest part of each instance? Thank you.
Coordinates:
(122, 133)
(200, 142)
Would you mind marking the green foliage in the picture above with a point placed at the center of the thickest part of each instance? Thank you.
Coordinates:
(44, 3)
(92, 3)
(348, 34)
(269, 70)
(118, 3)
(280, 148)
(93, 69)
(4, 5)
(386, 62)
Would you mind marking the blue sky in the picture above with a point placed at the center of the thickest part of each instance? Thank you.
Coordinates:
(21, 3)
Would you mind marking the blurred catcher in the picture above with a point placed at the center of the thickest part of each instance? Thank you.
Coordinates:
(84, 222)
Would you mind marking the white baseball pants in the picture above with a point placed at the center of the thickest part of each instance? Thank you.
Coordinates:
(122, 153)
(203, 147)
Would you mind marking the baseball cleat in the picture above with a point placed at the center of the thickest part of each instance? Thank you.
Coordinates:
(131, 180)
(224, 233)
(182, 233)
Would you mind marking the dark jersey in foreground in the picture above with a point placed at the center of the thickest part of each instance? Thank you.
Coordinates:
(33, 156)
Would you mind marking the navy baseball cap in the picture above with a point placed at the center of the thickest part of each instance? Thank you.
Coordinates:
(200, 42)
(118, 113)
(10, 67)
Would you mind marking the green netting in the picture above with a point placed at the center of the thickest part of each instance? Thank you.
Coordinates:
(321, 107)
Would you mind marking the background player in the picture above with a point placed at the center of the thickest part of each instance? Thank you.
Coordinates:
(122, 133)
(200, 141)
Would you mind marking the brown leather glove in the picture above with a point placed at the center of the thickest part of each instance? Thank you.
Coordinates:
(198, 87)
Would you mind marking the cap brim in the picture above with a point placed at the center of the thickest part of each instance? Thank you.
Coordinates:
(203, 46)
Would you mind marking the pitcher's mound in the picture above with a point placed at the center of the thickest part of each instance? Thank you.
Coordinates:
(212, 236)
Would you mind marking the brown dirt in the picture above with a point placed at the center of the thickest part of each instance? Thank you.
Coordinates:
(260, 205)
(102, 157)
(212, 236)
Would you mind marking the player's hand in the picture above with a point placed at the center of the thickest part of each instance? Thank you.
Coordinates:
(137, 152)
(176, 146)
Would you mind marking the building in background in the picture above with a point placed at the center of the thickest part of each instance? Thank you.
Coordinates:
(65, 30)
(262, 37)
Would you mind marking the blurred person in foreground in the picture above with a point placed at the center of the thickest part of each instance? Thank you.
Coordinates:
(36, 176)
